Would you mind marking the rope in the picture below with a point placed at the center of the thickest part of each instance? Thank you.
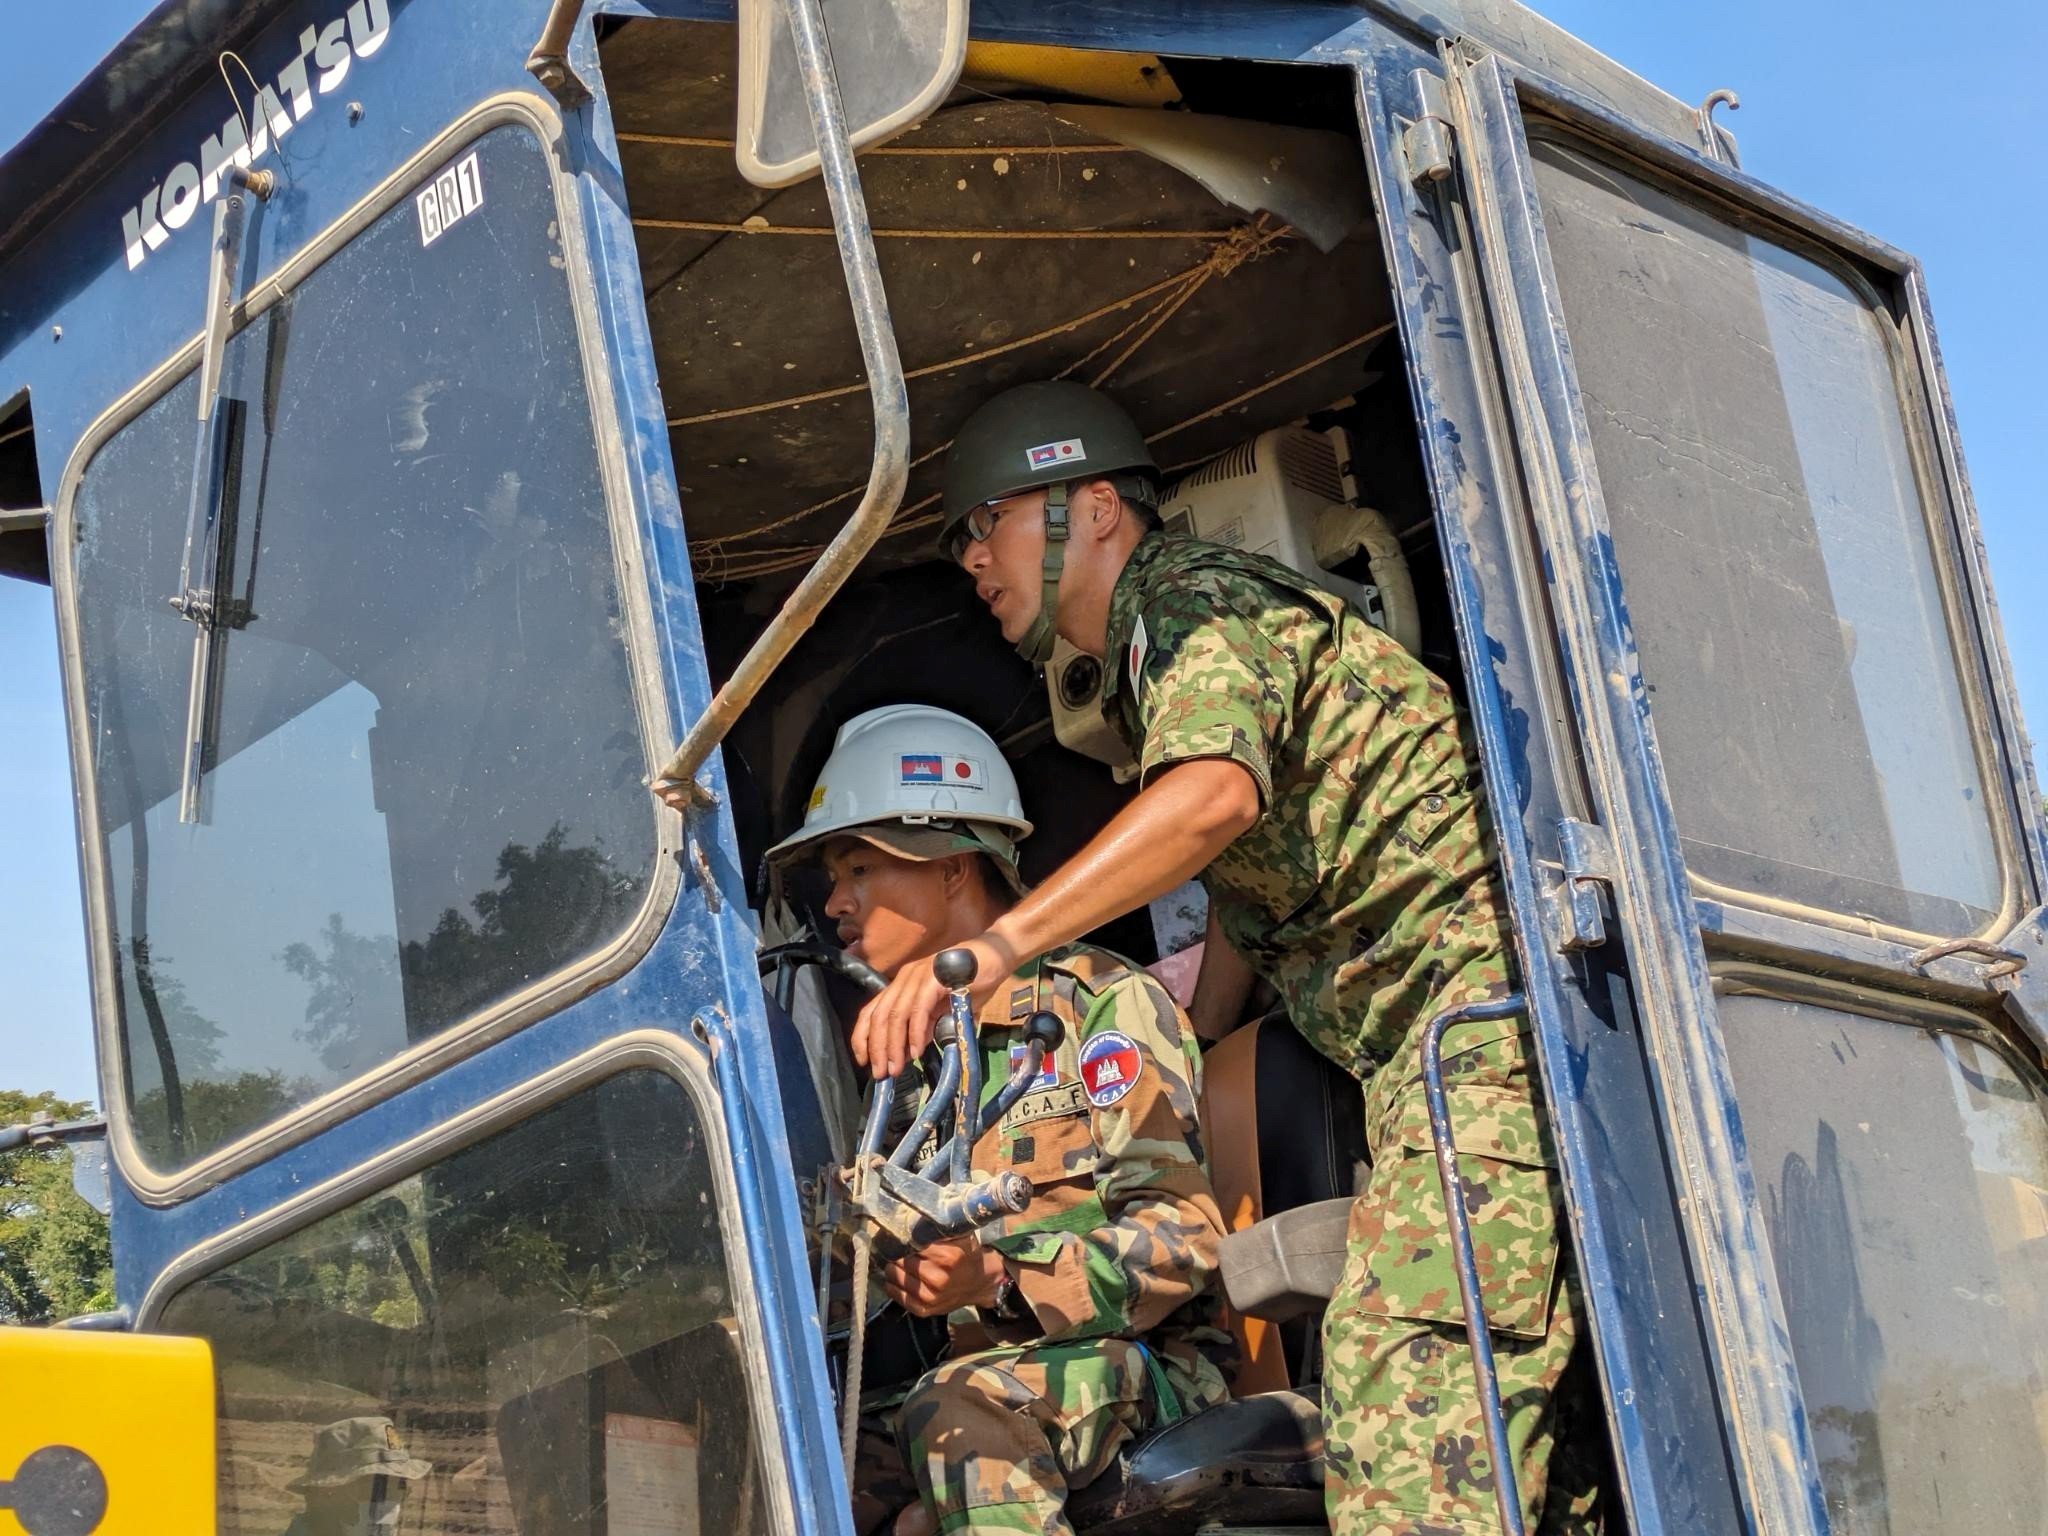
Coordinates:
(773, 562)
(956, 151)
(708, 226)
(947, 366)
(856, 1347)
(1245, 242)
(1258, 389)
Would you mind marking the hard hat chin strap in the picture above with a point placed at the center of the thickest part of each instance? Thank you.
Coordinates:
(1036, 646)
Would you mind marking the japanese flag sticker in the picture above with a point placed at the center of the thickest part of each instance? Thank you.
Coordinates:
(1111, 1065)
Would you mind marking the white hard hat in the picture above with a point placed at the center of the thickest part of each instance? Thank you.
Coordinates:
(917, 766)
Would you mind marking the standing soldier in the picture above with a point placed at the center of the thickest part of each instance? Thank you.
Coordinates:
(1088, 1319)
(1318, 778)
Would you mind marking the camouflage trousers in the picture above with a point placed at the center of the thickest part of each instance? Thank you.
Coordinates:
(993, 1440)
(1406, 1441)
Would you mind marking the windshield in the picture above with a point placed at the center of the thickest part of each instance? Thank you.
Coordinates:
(420, 762)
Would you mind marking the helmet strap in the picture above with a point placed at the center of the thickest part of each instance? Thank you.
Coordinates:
(1036, 645)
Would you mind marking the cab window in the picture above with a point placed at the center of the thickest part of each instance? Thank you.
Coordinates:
(538, 1336)
(420, 751)
(1760, 468)
(1903, 1173)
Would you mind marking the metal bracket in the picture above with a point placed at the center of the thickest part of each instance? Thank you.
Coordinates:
(42, 1132)
(549, 61)
(1426, 142)
(2024, 988)
(2015, 970)
(1580, 900)
(1718, 142)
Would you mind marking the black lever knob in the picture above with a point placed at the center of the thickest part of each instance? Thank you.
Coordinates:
(1046, 1027)
(955, 968)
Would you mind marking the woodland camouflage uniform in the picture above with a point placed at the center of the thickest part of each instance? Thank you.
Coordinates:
(1115, 1261)
(1368, 895)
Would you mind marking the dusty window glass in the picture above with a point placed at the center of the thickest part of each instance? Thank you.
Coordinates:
(536, 1337)
(1769, 529)
(422, 754)
(1904, 1175)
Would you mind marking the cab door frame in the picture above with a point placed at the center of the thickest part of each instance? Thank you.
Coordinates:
(1512, 442)
(1664, 1399)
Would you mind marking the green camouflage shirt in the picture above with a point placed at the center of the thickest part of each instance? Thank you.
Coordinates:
(1367, 891)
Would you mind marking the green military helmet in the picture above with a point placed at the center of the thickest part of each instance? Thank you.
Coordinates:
(1047, 434)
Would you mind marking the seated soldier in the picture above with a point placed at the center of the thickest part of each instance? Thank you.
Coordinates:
(1087, 1320)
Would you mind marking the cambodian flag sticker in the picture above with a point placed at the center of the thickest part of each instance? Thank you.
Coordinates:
(919, 769)
(1110, 1067)
(1055, 453)
(1048, 1071)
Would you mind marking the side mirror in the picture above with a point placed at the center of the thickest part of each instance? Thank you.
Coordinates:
(896, 60)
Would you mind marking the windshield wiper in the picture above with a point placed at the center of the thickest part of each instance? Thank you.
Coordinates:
(206, 572)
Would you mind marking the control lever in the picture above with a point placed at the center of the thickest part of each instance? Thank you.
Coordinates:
(909, 1207)
(1042, 1035)
(956, 1033)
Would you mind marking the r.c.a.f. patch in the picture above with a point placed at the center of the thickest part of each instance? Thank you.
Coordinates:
(1111, 1065)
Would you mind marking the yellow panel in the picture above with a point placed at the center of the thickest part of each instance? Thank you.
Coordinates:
(139, 1407)
(1127, 79)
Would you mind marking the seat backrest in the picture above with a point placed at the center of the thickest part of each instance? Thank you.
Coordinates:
(1284, 1127)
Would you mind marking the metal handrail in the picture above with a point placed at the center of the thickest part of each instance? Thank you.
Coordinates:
(1507, 1493)
(890, 471)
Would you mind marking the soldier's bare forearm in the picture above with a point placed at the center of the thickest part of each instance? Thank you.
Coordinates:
(1178, 823)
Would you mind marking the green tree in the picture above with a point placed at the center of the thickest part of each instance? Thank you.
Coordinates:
(55, 1259)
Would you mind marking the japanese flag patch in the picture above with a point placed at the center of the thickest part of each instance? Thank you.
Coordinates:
(1111, 1065)
(1065, 450)
(1134, 658)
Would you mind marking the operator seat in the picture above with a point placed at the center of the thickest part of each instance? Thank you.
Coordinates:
(1285, 1132)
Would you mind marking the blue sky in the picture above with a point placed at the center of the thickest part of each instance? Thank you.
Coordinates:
(1898, 117)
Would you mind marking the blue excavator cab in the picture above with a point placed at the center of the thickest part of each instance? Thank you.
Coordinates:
(438, 424)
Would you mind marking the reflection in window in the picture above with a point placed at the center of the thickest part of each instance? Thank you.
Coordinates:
(1768, 524)
(536, 1337)
(1904, 1175)
(423, 756)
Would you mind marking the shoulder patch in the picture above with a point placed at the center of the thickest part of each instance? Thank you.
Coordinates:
(1134, 658)
(1111, 1065)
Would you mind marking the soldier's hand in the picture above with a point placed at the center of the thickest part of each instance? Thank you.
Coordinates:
(944, 1278)
(896, 1025)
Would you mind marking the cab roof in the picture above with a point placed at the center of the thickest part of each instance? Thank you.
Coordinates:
(86, 134)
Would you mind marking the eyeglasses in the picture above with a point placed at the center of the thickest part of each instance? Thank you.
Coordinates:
(975, 527)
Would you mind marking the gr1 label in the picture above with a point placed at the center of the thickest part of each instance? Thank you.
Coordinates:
(451, 197)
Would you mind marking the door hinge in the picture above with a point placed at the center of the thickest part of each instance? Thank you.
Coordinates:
(1581, 896)
(1426, 141)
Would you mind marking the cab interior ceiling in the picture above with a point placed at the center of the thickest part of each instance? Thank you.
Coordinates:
(23, 553)
(1023, 234)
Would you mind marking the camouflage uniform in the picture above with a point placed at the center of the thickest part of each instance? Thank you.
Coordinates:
(1114, 1260)
(1367, 894)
